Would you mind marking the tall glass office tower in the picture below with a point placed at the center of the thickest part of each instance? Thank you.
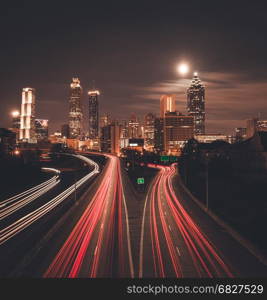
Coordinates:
(75, 109)
(196, 104)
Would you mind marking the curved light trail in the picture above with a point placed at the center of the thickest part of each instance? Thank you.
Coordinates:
(11, 205)
(24, 222)
(99, 244)
(175, 237)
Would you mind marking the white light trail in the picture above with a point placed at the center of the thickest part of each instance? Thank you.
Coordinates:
(22, 223)
(11, 205)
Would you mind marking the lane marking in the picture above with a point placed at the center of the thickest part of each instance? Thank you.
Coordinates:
(142, 233)
(127, 225)
(25, 221)
(95, 250)
(178, 251)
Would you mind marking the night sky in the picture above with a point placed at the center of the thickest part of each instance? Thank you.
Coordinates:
(131, 50)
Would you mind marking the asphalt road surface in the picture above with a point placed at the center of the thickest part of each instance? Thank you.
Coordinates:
(106, 229)
(99, 245)
(178, 239)
(25, 217)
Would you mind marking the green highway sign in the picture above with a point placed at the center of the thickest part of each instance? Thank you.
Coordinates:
(164, 158)
(140, 180)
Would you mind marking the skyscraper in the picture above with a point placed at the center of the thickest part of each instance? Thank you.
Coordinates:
(124, 129)
(177, 129)
(75, 109)
(133, 126)
(105, 138)
(27, 117)
(65, 131)
(149, 131)
(93, 114)
(41, 129)
(196, 104)
(255, 125)
(158, 135)
(167, 104)
(262, 125)
(251, 126)
(104, 120)
(110, 138)
(240, 134)
(115, 137)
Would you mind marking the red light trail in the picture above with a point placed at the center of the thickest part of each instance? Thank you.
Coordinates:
(99, 244)
(178, 246)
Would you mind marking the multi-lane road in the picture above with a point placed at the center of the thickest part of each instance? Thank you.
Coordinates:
(179, 239)
(26, 216)
(14, 203)
(175, 245)
(109, 232)
(28, 219)
(99, 245)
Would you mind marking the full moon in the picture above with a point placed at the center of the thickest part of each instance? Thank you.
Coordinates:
(183, 69)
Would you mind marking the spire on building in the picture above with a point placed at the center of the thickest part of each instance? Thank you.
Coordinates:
(196, 104)
(93, 113)
(75, 109)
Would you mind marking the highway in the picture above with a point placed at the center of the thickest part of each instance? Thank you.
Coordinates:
(110, 230)
(173, 244)
(28, 219)
(32, 215)
(99, 244)
(14, 203)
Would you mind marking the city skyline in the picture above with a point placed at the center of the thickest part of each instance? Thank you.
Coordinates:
(133, 146)
(134, 80)
(179, 89)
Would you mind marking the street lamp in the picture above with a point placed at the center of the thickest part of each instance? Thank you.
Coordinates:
(17, 152)
(15, 113)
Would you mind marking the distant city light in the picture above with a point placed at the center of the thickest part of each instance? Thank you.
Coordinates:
(183, 68)
(15, 113)
(94, 92)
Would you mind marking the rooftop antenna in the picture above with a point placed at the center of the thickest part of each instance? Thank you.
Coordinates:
(93, 84)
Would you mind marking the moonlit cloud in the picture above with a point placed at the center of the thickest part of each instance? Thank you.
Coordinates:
(231, 98)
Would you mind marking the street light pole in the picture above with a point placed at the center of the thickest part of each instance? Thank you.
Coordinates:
(133, 160)
(207, 181)
(185, 171)
(75, 192)
(75, 180)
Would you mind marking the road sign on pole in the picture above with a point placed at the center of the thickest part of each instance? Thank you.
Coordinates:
(164, 158)
(140, 180)
(173, 158)
(167, 158)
